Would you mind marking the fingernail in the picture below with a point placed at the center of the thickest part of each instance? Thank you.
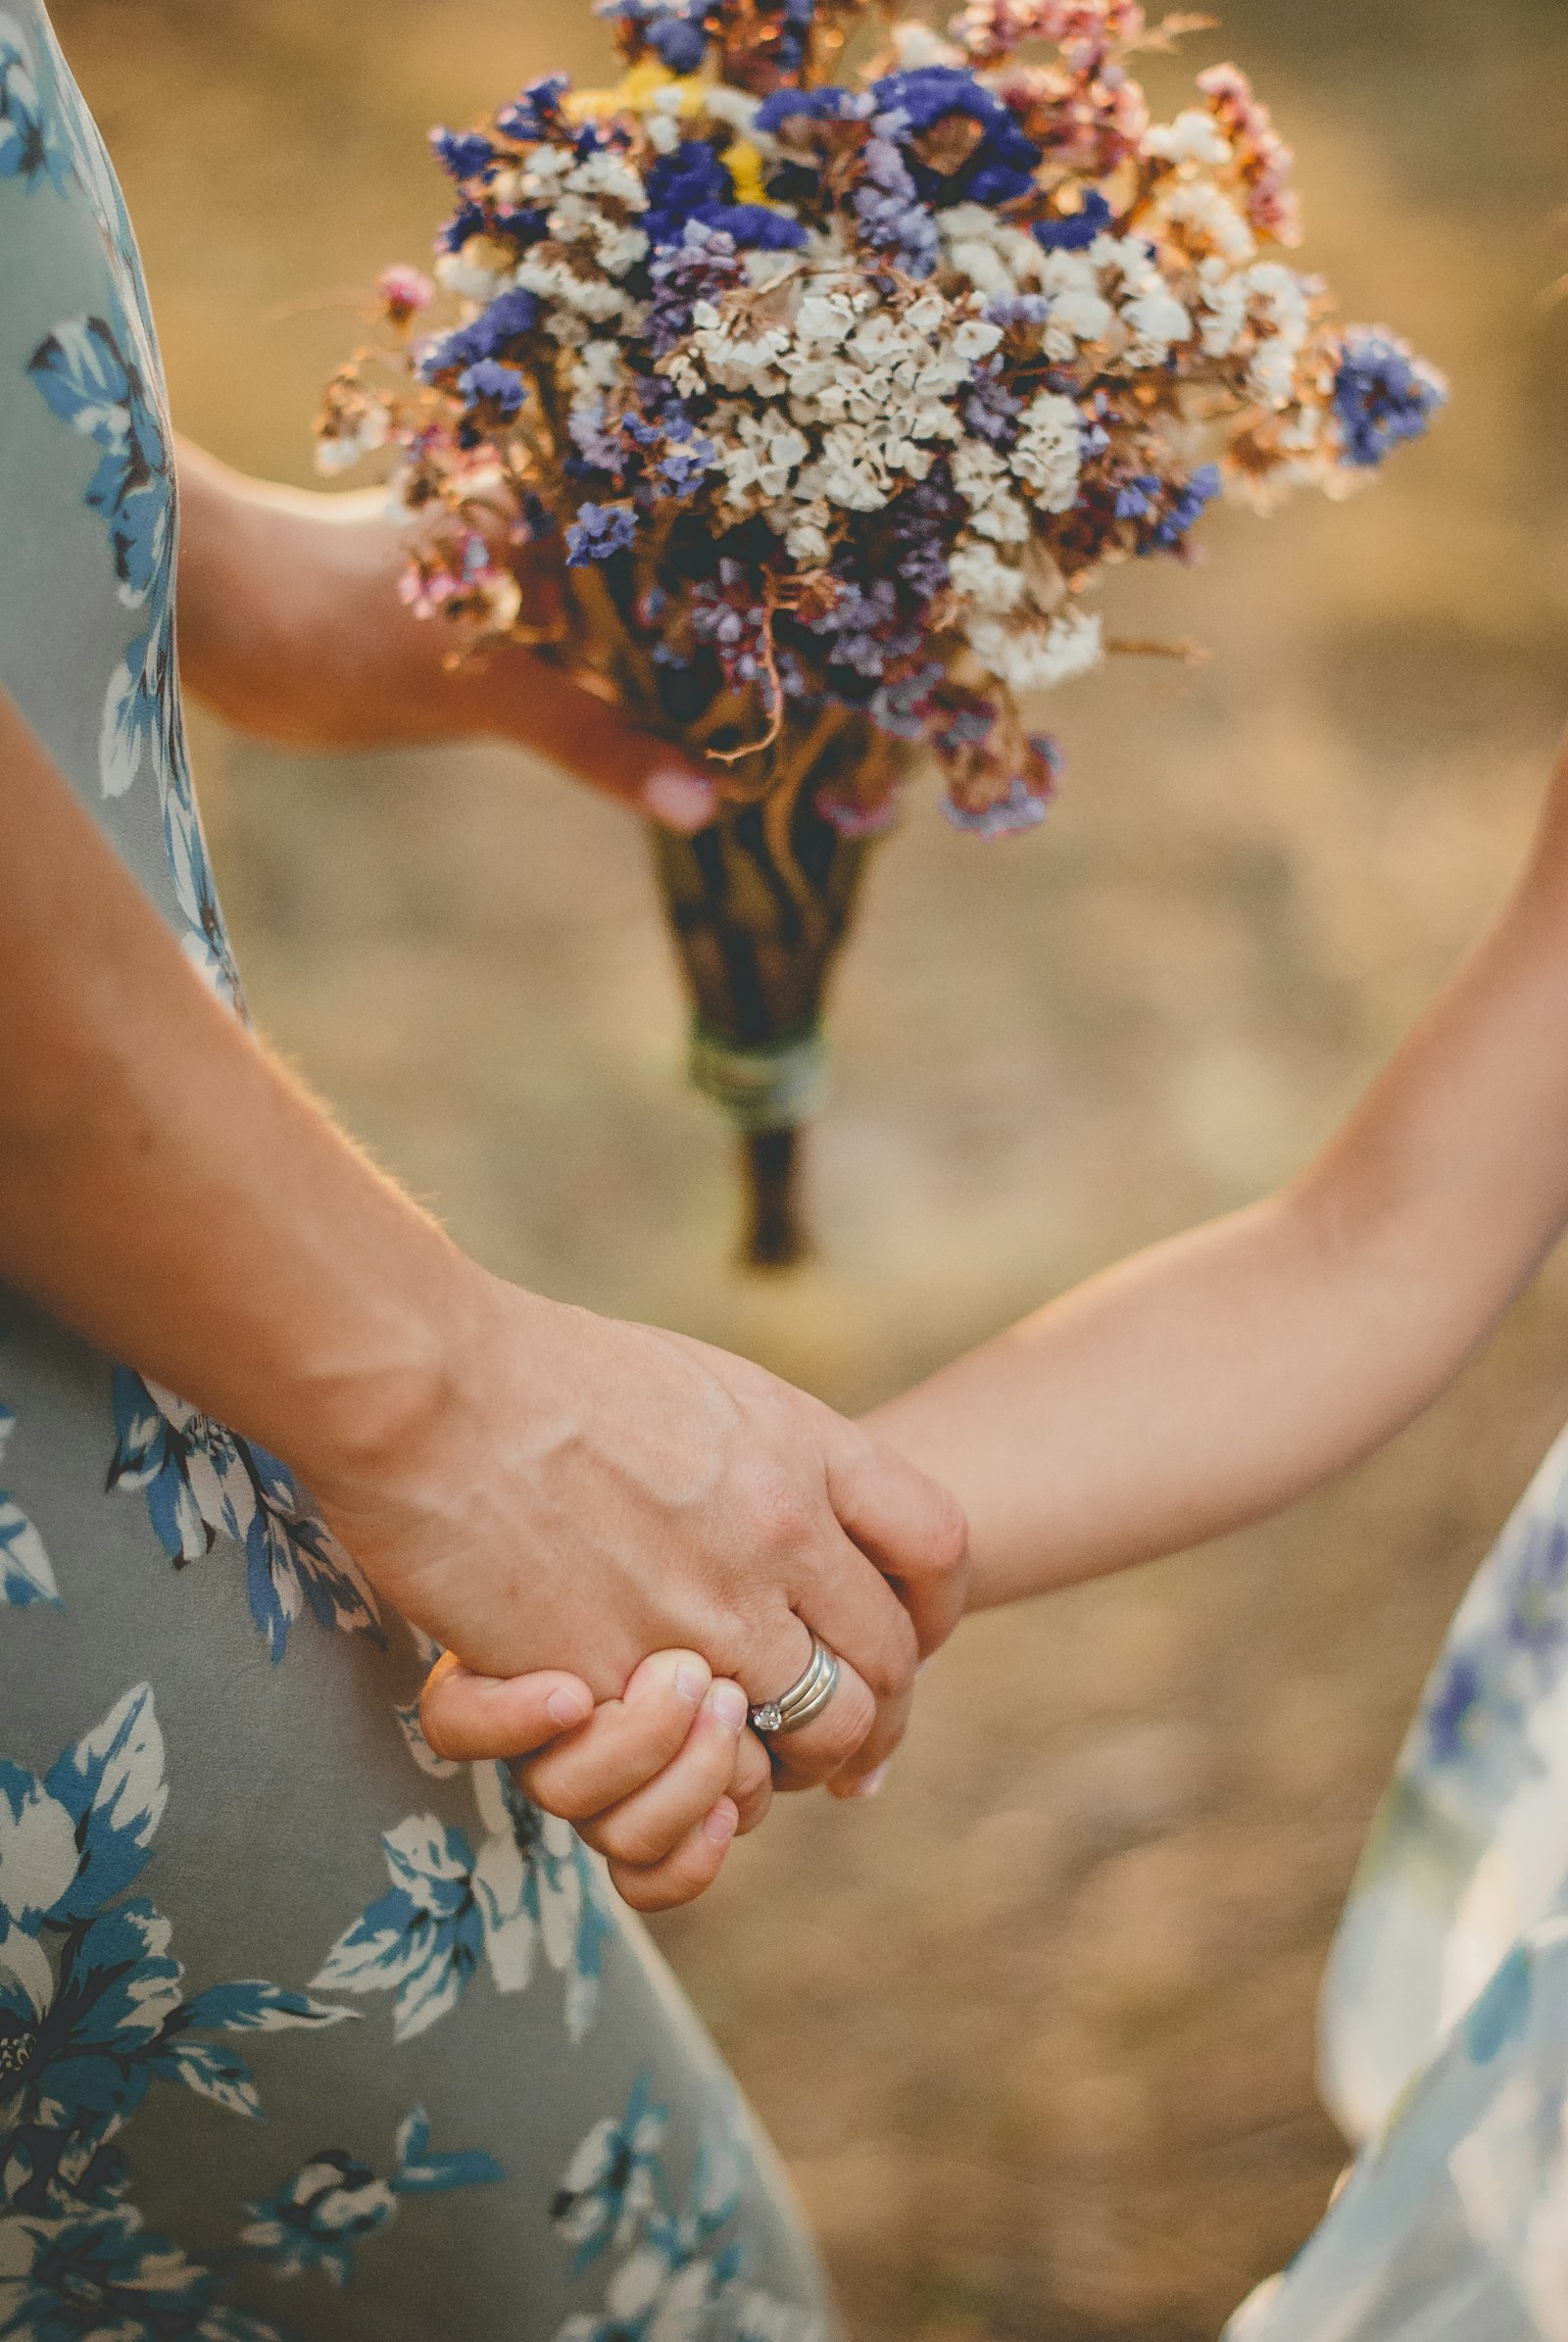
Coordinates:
(729, 1704)
(872, 1783)
(682, 800)
(692, 1680)
(720, 1825)
(569, 1707)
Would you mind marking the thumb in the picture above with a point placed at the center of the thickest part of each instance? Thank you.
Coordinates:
(470, 1716)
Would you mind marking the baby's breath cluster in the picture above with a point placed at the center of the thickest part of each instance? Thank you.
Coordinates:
(841, 396)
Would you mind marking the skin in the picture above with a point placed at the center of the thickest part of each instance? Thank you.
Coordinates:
(538, 1487)
(1246, 1362)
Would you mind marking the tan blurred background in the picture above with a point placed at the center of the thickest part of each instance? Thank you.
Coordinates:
(1035, 2032)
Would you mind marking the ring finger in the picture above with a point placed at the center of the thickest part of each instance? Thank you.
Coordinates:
(815, 1751)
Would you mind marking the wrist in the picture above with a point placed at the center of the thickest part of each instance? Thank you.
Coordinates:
(401, 1415)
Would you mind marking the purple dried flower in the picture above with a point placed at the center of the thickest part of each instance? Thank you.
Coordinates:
(988, 408)
(598, 532)
(1383, 395)
(490, 384)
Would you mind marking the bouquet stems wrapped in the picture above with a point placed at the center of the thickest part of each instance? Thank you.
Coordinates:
(826, 405)
(758, 903)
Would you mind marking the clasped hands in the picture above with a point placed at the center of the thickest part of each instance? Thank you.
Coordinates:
(622, 1538)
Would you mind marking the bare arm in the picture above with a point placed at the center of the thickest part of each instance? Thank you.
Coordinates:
(291, 629)
(1213, 1379)
(536, 1487)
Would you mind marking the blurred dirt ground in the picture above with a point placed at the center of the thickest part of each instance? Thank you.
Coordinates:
(1036, 2032)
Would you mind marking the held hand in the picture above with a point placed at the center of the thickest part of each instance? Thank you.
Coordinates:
(660, 1781)
(584, 1493)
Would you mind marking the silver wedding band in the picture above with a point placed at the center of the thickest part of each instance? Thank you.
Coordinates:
(803, 1700)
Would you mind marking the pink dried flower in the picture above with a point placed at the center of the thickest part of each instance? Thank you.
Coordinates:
(404, 292)
(1264, 160)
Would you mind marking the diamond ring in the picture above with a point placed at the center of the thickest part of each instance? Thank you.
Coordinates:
(803, 1700)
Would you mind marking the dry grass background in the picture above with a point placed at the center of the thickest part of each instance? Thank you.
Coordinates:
(1035, 2032)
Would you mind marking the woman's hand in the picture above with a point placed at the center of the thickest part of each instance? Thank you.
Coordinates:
(536, 1487)
(572, 1492)
(290, 627)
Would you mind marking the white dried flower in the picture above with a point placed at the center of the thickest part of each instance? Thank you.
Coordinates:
(1048, 455)
(1038, 658)
(606, 172)
(1208, 218)
(1155, 320)
(1194, 136)
(975, 339)
(978, 573)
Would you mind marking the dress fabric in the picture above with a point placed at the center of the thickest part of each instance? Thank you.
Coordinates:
(1444, 2015)
(304, 2032)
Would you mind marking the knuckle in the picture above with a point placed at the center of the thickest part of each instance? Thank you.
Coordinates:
(780, 1515)
(635, 1888)
(889, 1669)
(630, 1837)
(569, 1803)
(948, 1534)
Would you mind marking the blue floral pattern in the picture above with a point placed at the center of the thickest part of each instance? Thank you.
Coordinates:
(334, 2202)
(1444, 2021)
(32, 145)
(530, 1886)
(25, 1574)
(683, 2269)
(201, 1480)
(99, 374)
(93, 2014)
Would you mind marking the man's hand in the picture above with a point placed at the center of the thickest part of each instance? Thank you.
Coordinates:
(291, 629)
(577, 1493)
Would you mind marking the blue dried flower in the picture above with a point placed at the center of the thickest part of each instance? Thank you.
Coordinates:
(1076, 230)
(1135, 501)
(685, 465)
(499, 386)
(468, 219)
(1383, 396)
(681, 185)
(598, 532)
(1187, 505)
(1002, 167)
(464, 154)
(511, 316)
(753, 226)
(680, 44)
(536, 114)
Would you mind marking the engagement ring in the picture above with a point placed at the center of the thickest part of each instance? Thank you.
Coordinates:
(803, 1700)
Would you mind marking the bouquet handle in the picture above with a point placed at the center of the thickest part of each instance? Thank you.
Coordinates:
(758, 903)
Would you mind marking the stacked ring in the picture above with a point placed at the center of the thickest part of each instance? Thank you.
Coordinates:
(803, 1700)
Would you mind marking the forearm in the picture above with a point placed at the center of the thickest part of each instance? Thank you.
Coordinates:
(167, 1189)
(290, 627)
(1196, 1387)
(1220, 1376)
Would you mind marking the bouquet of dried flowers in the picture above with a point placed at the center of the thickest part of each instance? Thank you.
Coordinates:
(837, 396)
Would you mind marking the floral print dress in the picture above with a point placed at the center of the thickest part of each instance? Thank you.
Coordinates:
(1445, 2019)
(304, 2031)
